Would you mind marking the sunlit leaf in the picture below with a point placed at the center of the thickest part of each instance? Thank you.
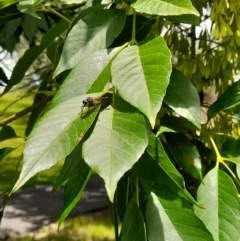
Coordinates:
(229, 99)
(185, 153)
(171, 218)
(141, 75)
(165, 7)
(133, 227)
(30, 6)
(6, 3)
(90, 75)
(219, 196)
(54, 137)
(116, 143)
(183, 98)
(96, 30)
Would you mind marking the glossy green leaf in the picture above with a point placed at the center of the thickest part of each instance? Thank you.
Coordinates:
(183, 98)
(141, 75)
(74, 177)
(156, 150)
(96, 30)
(185, 153)
(165, 7)
(116, 143)
(164, 175)
(229, 99)
(54, 137)
(171, 218)
(30, 6)
(219, 196)
(175, 124)
(90, 75)
(133, 227)
(32, 54)
(9, 13)
(169, 174)
(7, 132)
(4, 152)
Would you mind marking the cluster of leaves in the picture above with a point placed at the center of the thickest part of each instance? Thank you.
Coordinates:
(144, 139)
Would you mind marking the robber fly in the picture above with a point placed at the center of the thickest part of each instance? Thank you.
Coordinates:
(92, 102)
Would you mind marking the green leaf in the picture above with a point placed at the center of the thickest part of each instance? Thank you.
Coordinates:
(11, 27)
(4, 152)
(54, 137)
(81, 81)
(133, 224)
(229, 99)
(165, 7)
(220, 198)
(183, 98)
(30, 27)
(231, 149)
(9, 13)
(35, 114)
(7, 132)
(122, 197)
(175, 124)
(32, 54)
(3, 76)
(185, 18)
(143, 27)
(164, 175)
(185, 153)
(169, 175)
(30, 6)
(156, 150)
(141, 75)
(96, 30)
(74, 176)
(171, 218)
(6, 3)
(117, 142)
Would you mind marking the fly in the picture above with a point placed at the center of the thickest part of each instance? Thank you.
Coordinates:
(92, 102)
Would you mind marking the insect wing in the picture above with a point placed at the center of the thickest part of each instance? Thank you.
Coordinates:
(98, 100)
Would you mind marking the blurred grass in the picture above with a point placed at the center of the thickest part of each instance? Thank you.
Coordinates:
(8, 166)
(94, 227)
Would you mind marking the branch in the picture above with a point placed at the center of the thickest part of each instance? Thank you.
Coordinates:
(24, 112)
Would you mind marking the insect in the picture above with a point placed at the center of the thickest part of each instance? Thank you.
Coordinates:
(92, 102)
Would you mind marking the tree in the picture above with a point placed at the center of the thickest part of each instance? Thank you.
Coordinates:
(139, 127)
